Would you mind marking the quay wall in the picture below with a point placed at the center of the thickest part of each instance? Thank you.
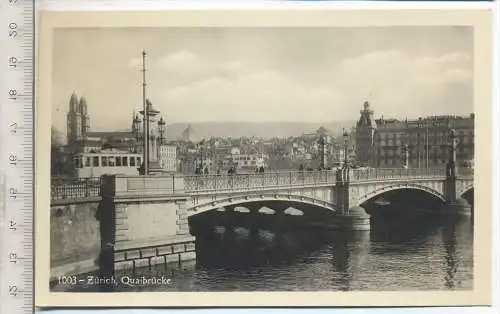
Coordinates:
(75, 240)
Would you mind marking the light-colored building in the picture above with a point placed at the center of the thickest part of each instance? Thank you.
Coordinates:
(110, 161)
(381, 142)
(246, 161)
(167, 156)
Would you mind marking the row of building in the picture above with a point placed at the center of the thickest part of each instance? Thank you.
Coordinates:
(89, 153)
(372, 142)
(382, 142)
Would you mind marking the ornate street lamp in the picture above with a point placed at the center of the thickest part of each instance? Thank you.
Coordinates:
(200, 148)
(150, 113)
(161, 129)
(405, 156)
(452, 159)
(405, 151)
(322, 151)
(346, 139)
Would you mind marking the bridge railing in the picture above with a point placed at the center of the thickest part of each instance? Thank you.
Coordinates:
(395, 173)
(78, 188)
(74, 188)
(254, 181)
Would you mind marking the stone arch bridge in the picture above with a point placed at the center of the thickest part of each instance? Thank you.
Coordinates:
(145, 218)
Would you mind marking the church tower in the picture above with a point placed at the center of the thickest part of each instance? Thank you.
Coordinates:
(365, 133)
(78, 121)
(85, 124)
(73, 120)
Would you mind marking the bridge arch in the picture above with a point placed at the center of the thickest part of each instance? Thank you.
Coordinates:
(382, 190)
(194, 209)
(465, 189)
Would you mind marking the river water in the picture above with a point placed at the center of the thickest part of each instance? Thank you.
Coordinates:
(418, 253)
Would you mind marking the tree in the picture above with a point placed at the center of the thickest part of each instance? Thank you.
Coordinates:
(57, 156)
(56, 137)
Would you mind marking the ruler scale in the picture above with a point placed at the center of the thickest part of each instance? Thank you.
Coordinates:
(17, 19)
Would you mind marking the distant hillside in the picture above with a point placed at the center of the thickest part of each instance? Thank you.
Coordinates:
(259, 129)
(236, 129)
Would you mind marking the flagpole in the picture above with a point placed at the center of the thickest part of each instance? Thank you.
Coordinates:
(146, 116)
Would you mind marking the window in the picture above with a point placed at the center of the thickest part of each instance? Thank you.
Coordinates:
(118, 161)
(125, 161)
(104, 161)
(78, 162)
(111, 161)
(95, 161)
(132, 161)
(87, 161)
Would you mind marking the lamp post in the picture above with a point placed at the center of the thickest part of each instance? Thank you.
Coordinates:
(405, 156)
(452, 161)
(405, 151)
(346, 139)
(147, 114)
(322, 151)
(345, 167)
(145, 117)
(200, 148)
(161, 130)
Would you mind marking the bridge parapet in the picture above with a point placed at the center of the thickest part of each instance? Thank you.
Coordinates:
(369, 174)
(255, 181)
(88, 189)
(145, 186)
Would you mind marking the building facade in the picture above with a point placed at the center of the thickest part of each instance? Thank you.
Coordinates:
(382, 142)
(167, 156)
(245, 162)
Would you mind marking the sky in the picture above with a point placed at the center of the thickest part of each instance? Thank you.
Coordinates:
(263, 74)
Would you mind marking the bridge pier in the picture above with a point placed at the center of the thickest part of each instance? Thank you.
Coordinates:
(355, 219)
(141, 227)
(458, 207)
(454, 205)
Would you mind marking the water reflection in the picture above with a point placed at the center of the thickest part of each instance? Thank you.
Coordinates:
(234, 253)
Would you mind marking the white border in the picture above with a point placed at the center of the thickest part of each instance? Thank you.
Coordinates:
(130, 5)
(152, 5)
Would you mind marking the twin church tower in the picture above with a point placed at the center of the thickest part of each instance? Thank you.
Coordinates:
(78, 120)
(78, 126)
